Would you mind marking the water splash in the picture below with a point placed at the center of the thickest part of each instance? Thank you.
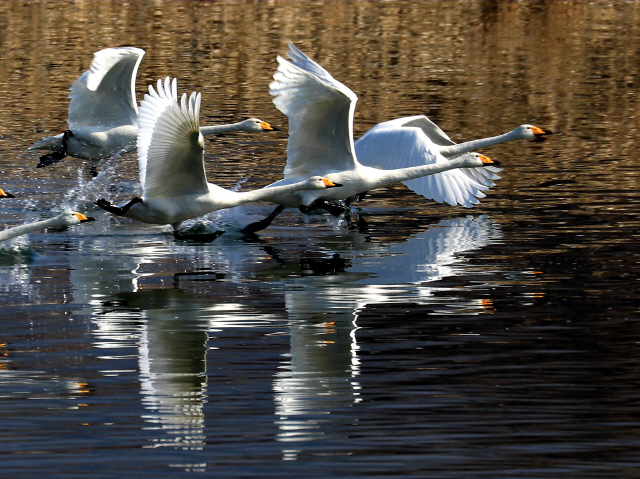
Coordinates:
(16, 246)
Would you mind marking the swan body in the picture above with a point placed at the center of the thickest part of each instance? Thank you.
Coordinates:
(320, 111)
(172, 173)
(360, 179)
(4, 194)
(410, 141)
(68, 218)
(103, 113)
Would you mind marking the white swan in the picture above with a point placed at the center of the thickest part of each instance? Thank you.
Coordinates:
(409, 141)
(4, 194)
(172, 173)
(103, 113)
(67, 218)
(320, 111)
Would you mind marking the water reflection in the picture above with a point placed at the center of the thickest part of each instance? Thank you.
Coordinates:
(170, 329)
(172, 359)
(15, 278)
(168, 318)
(318, 380)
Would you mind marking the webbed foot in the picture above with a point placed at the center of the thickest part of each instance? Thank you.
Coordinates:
(336, 209)
(262, 224)
(59, 155)
(51, 158)
(117, 210)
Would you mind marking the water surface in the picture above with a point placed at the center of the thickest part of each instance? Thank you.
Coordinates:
(408, 339)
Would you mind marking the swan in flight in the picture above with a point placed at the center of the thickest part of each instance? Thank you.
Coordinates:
(103, 113)
(68, 218)
(410, 141)
(172, 173)
(320, 111)
(4, 194)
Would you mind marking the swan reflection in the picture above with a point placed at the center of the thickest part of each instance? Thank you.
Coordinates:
(172, 360)
(173, 339)
(318, 379)
(324, 287)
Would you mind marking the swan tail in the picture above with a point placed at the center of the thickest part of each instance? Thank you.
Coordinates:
(52, 143)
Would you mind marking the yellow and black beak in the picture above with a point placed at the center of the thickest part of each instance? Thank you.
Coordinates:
(267, 127)
(330, 184)
(4, 194)
(488, 161)
(82, 218)
(539, 132)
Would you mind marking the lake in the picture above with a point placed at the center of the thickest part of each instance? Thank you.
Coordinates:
(405, 339)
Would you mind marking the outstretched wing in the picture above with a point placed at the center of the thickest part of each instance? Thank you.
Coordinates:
(105, 95)
(430, 129)
(320, 111)
(170, 146)
(396, 146)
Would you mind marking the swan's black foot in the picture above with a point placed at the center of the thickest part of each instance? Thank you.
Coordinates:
(336, 209)
(56, 156)
(199, 237)
(93, 171)
(117, 210)
(51, 158)
(262, 224)
(355, 199)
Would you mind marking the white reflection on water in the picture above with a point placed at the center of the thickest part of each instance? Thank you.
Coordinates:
(318, 378)
(172, 338)
(173, 374)
(15, 278)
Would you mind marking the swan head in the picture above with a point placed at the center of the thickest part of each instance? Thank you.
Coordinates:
(530, 132)
(321, 183)
(69, 218)
(4, 194)
(255, 125)
(474, 160)
(486, 161)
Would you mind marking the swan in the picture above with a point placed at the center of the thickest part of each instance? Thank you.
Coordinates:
(4, 194)
(68, 218)
(410, 141)
(103, 114)
(320, 111)
(172, 173)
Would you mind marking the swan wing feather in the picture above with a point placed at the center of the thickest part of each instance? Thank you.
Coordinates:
(320, 112)
(170, 146)
(104, 95)
(305, 63)
(403, 147)
(433, 131)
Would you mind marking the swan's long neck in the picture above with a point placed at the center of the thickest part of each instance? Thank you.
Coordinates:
(267, 194)
(214, 129)
(390, 177)
(467, 146)
(28, 228)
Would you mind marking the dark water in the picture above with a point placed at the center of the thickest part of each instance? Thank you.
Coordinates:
(409, 339)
